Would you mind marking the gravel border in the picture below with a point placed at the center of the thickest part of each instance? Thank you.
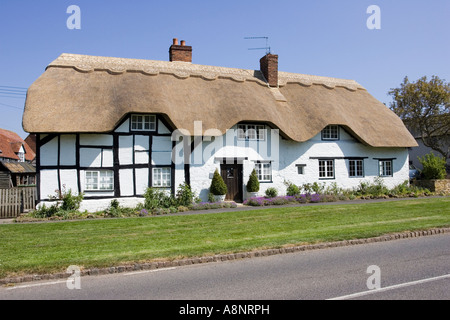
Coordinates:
(224, 257)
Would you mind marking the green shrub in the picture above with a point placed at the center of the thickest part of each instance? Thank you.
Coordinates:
(218, 186)
(318, 188)
(433, 166)
(211, 198)
(253, 182)
(271, 192)
(114, 204)
(292, 190)
(44, 212)
(155, 198)
(69, 201)
(185, 196)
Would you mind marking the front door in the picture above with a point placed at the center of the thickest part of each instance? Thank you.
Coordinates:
(232, 175)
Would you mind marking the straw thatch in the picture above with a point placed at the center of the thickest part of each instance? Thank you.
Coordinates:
(93, 94)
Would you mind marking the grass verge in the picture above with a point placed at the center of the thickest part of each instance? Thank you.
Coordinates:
(52, 247)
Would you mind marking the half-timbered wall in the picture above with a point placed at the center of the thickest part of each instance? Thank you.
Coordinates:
(125, 158)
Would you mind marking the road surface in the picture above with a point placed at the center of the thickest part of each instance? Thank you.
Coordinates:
(417, 268)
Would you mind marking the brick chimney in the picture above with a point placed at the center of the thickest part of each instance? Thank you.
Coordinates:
(269, 68)
(180, 52)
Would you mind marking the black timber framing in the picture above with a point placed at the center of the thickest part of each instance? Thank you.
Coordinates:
(116, 161)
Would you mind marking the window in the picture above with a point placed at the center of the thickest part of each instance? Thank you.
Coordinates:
(356, 168)
(300, 168)
(143, 123)
(99, 180)
(385, 168)
(330, 133)
(264, 171)
(326, 169)
(251, 132)
(21, 156)
(162, 177)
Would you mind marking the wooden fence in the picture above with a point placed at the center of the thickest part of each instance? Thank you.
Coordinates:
(15, 201)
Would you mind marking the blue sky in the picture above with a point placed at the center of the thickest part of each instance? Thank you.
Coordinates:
(327, 38)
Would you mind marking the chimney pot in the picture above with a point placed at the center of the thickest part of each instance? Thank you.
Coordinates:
(180, 52)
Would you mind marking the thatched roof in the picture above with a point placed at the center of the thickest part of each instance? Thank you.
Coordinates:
(80, 93)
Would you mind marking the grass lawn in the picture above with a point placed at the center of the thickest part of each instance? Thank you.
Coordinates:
(52, 247)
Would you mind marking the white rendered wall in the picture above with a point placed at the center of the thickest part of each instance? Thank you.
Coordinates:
(49, 153)
(289, 153)
(48, 183)
(68, 150)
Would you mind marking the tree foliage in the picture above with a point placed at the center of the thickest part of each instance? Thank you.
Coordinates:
(433, 166)
(424, 106)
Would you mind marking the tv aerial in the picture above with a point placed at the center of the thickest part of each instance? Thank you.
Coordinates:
(267, 48)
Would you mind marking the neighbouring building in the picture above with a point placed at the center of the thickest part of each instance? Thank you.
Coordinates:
(111, 127)
(16, 157)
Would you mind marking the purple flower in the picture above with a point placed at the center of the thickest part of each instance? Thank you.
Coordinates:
(315, 198)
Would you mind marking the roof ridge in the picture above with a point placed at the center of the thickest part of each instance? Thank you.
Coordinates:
(184, 70)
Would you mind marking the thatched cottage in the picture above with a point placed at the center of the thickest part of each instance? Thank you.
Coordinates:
(111, 127)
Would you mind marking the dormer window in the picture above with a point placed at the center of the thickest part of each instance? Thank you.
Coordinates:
(330, 133)
(21, 156)
(251, 132)
(143, 122)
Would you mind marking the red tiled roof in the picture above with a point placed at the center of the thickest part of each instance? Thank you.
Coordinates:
(10, 144)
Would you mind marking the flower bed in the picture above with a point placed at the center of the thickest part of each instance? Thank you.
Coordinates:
(282, 200)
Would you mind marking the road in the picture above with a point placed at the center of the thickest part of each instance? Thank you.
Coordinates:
(417, 268)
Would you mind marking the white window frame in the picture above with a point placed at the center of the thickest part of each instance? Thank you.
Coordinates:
(326, 168)
(252, 132)
(162, 177)
(358, 167)
(143, 122)
(330, 133)
(386, 168)
(264, 171)
(104, 180)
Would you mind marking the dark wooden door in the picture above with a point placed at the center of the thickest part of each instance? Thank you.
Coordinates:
(232, 175)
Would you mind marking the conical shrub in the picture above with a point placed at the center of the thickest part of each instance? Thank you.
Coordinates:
(253, 182)
(218, 186)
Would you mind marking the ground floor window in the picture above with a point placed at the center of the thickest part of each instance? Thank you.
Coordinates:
(99, 180)
(264, 171)
(162, 177)
(385, 168)
(356, 168)
(326, 169)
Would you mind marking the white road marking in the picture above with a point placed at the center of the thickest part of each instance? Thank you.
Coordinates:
(402, 285)
(148, 271)
(36, 285)
(65, 281)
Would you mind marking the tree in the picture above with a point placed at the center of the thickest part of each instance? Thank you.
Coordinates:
(433, 166)
(424, 106)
